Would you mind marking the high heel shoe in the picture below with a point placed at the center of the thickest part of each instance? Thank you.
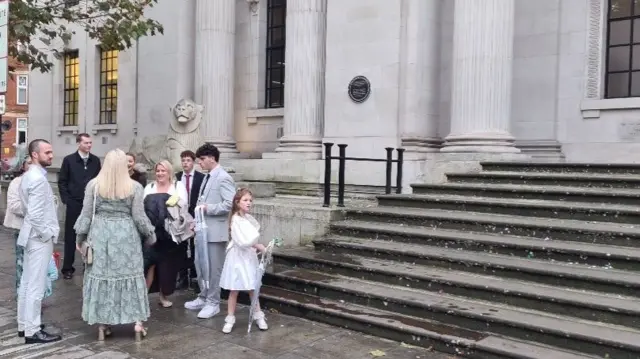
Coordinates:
(103, 331)
(140, 331)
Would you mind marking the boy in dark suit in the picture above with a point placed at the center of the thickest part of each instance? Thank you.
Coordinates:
(192, 180)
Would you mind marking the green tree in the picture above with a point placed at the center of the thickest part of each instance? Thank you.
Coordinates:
(115, 24)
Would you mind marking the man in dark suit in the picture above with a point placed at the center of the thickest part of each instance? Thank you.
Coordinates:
(192, 180)
(77, 170)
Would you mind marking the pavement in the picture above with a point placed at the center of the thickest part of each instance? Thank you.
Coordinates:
(177, 333)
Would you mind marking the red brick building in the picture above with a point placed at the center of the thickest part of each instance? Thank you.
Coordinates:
(17, 99)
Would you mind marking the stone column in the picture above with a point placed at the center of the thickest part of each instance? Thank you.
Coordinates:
(214, 70)
(419, 76)
(304, 79)
(482, 70)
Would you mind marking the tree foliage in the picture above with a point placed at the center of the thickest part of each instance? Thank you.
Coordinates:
(40, 30)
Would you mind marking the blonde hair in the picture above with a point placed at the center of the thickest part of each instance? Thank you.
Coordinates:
(113, 181)
(169, 168)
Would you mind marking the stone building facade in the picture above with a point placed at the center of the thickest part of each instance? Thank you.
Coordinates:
(451, 81)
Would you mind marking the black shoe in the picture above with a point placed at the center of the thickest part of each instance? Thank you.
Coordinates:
(21, 333)
(42, 337)
(67, 275)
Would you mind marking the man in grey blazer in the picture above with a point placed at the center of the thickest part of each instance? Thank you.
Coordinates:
(216, 198)
(39, 232)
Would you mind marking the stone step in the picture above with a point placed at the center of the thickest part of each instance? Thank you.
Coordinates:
(606, 256)
(547, 228)
(604, 168)
(408, 329)
(517, 207)
(557, 193)
(546, 272)
(259, 189)
(589, 305)
(547, 179)
(586, 336)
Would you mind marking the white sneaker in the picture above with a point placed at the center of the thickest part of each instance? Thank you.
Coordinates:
(229, 321)
(195, 304)
(260, 320)
(208, 311)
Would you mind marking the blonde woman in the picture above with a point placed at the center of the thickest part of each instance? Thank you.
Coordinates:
(163, 261)
(114, 290)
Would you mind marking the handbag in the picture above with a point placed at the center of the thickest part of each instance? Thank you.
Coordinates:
(85, 248)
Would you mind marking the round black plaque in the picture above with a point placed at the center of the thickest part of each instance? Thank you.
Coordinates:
(359, 89)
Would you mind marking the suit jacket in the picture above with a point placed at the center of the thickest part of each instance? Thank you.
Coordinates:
(74, 176)
(217, 194)
(198, 177)
(39, 208)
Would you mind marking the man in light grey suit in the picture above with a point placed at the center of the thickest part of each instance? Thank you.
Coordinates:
(39, 232)
(216, 198)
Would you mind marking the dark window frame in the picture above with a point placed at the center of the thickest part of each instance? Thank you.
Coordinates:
(630, 71)
(108, 90)
(275, 73)
(71, 85)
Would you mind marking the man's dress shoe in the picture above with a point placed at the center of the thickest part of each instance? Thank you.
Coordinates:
(42, 337)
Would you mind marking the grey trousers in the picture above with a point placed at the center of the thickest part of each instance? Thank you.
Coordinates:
(33, 283)
(217, 253)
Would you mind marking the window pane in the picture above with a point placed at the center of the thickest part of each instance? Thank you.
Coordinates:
(636, 58)
(22, 96)
(276, 78)
(276, 36)
(275, 58)
(635, 84)
(619, 32)
(277, 16)
(618, 59)
(618, 85)
(620, 8)
(636, 10)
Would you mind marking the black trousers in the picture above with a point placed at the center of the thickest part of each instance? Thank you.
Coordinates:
(72, 213)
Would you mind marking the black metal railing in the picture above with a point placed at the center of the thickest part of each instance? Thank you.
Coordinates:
(342, 159)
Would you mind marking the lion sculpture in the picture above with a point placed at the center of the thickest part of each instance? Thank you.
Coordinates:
(184, 130)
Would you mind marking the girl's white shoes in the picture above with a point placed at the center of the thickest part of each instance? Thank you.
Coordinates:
(230, 320)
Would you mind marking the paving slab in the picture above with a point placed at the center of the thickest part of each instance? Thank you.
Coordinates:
(177, 333)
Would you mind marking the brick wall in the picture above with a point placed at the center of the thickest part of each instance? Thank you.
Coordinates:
(14, 110)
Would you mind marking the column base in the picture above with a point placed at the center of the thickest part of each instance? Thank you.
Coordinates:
(542, 150)
(418, 147)
(480, 143)
(297, 148)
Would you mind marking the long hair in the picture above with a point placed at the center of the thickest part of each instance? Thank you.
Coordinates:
(167, 166)
(234, 206)
(113, 181)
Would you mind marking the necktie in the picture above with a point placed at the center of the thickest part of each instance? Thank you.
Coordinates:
(85, 160)
(206, 179)
(188, 185)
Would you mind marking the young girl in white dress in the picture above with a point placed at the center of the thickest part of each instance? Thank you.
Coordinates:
(241, 262)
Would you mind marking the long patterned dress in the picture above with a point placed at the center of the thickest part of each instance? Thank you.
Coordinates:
(114, 290)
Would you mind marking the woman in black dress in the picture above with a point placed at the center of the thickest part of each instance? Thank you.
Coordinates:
(162, 261)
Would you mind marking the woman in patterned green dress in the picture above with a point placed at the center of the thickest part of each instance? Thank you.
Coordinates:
(114, 290)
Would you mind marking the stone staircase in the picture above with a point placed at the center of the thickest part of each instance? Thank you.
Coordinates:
(517, 261)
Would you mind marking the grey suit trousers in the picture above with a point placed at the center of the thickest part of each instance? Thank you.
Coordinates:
(217, 253)
(37, 256)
